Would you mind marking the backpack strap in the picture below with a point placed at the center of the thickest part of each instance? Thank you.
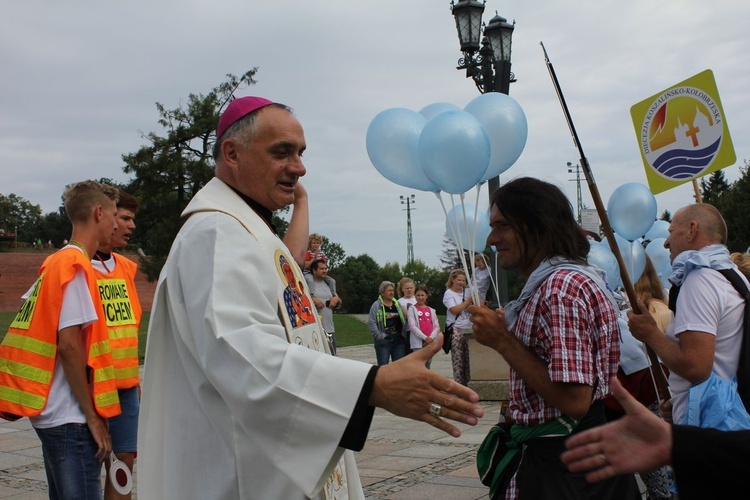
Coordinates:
(743, 369)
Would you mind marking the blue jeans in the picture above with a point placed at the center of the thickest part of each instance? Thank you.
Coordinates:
(73, 471)
(385, 350)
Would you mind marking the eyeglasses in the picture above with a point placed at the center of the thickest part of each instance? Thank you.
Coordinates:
(120, 476)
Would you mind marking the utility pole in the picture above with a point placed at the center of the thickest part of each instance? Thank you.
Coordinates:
(578, 189)
(408, 200)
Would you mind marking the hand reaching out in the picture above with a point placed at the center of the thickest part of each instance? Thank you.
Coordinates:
(640, 441)
(408, 389)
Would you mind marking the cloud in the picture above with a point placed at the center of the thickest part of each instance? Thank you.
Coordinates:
(80, 83)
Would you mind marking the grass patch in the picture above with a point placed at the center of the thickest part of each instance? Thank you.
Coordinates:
(6, 318)
(350, 331)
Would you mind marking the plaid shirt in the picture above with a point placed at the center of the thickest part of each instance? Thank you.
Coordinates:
(572, 326)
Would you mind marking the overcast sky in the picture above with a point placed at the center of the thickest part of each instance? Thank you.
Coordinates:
(80, 80)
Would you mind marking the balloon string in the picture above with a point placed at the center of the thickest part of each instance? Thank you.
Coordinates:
(475, 289)
(454, 228)
(461, 244)
(631, 264)
(651, 369)
(451, 227)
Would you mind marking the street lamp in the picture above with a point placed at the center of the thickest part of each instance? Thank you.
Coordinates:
(408, 201)
(489, 67)
(578, 189)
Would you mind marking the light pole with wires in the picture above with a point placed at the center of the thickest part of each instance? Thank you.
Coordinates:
(408, 200)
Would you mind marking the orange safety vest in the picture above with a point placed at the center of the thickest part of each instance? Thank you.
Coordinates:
(122, 316)
(29, 350)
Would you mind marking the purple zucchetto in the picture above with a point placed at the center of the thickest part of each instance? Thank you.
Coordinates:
(237, 109)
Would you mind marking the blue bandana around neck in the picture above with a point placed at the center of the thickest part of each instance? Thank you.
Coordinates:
(714, 256)
(540, 275)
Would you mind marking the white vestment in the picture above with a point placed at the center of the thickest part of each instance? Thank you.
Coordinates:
(231, 409)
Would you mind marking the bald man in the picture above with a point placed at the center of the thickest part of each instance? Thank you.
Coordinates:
(704, 337)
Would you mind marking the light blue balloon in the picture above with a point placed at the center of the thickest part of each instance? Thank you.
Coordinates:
(632, 210)
(506, 126)
(436, 108)
(659, 255)
(454, 150)
(664, 274)
(393, 147)
(660, 229)
(633, 255)
(458, 227)
(602, 257)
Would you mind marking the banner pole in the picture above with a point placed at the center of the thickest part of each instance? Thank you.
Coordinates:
(661, 380)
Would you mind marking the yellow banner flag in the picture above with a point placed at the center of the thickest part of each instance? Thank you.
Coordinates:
(682, 133)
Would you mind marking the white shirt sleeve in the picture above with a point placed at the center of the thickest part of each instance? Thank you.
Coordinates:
(77, 305)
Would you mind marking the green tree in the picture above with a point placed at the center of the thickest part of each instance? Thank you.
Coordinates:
(715, 188)
(735, 207)
(334, 252)
(56, 227)
(20, 216)
(391, 271)
(356, 283)
(666, 215)
(450, 258)
(278, 219)
(175, 165)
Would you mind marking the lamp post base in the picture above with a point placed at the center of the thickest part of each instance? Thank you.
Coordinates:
(489, 372)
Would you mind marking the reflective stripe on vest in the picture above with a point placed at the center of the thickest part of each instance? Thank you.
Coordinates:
(26, 362)
(122, 313)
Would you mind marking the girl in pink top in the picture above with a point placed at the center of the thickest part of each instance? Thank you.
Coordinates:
(422, 321)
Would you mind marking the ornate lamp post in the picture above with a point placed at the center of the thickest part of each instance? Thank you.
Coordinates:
(488, 66)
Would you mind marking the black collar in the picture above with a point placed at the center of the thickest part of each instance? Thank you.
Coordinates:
(263, 212)
(103, 255)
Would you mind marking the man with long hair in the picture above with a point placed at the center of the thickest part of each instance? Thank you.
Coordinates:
(561, 340)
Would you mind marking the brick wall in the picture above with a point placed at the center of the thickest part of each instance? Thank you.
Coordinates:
(18, 271)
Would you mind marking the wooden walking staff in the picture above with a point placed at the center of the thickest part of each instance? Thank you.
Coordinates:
(661, 380)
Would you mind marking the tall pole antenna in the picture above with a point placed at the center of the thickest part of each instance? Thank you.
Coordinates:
(408, 201)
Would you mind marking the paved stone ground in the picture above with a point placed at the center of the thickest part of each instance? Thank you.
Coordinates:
(402, 459)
